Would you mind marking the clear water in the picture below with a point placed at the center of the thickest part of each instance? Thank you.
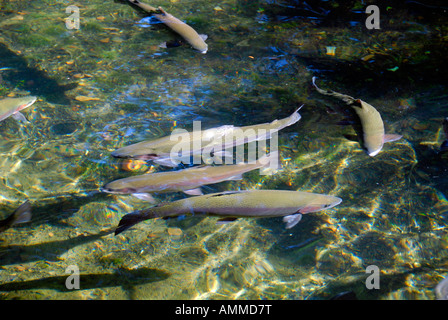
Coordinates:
(262, 56)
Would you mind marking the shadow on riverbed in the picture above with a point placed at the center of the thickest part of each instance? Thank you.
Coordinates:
(12, 254)
(36, 81)
(121, 277)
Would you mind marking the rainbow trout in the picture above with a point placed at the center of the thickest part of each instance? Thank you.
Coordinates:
(188, 181)
(371, 122)
(238, 204)
(12, 107)
(181, 28)
(21, 215)
(217, 139)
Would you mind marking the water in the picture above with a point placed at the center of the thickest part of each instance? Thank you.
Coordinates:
(262, 56)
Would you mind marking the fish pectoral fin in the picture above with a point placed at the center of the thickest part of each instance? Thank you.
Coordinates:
(19, 117)
(292, 220)
(203, 36)
(194, 192)
(226, 220)
(145, 197)
(23, 213)
(165, 162)
(392, 137)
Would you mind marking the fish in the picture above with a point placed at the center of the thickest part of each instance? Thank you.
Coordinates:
(372, 124)
(444, 145)
(21, 215)
(230, 205)
(188, 180)
(12, 107)
(441, 290)
(223, 137)
(184, 30)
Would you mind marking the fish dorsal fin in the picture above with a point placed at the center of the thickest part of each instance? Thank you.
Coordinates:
(24, 217)
(292, 220)
(145, 197)
(392, 137)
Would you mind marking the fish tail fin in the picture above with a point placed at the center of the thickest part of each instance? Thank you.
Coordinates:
(347, 99)
(22, 213)
(128, 221)
(295, 116)
(270, 163)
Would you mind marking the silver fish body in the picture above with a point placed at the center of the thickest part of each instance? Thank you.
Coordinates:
(372, 127)
(231, 205)
(187, 180)
(184, 30)
(13, 106)
(372, 124)
(218, 139)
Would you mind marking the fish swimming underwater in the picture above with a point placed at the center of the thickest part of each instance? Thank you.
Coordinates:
(441, 289)
(220, 138)
(12, 107)
(188, 180)
(238, 204)
(371, 122)
(21, 215)
(184, 30)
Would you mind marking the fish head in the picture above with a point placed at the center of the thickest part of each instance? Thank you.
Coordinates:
(320, 202)
(373, 153)
(373, 143)
(117, 187)
(204, 51)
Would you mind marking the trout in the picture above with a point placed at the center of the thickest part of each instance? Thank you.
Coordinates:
(238, 204)
(184, 30)
(12, 107)
(162, 150)
(188, 181)
(371, 122)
